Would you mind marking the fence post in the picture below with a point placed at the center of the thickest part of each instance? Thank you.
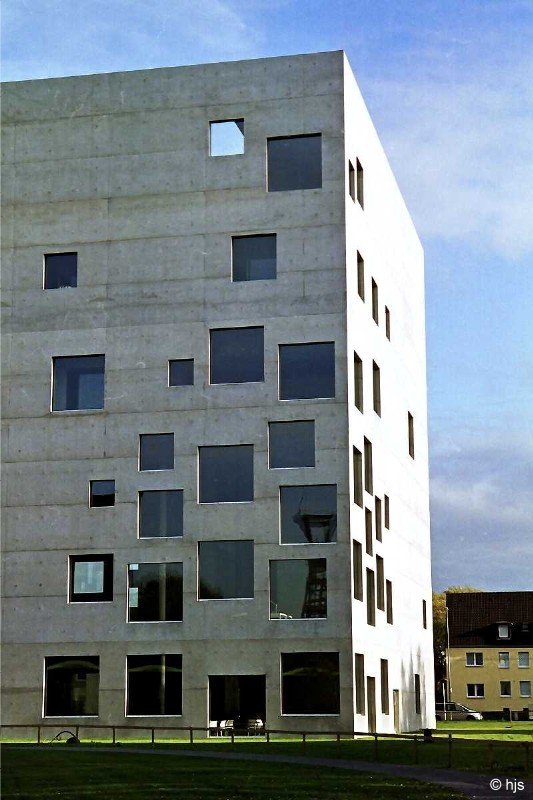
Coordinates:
(416, 748)
(338, 744)
(153, 736)
(38, 734)
(449, 750)
(233, 735)
(376, 746)
(114, 735)
(303, 742)
(268, 737)
(77, 730)
(191, 735)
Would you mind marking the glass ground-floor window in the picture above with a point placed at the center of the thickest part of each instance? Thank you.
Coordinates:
(71, 686)
(310, 683)
(154, 685)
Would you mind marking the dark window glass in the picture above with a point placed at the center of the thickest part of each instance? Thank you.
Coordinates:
(155, 592)
(370, 597)
(351, 180)
(375, 302)
(357, 571)
(298, 588)
(387, 322)
(369, 472)
(102, 493)
(78, 383)
(411, 434)
(417, 694)
(388, 592)
(226, 137)
(384, 686)
(90, 578)
(360, 184)
(181, 372)
(154, 685)
(291, 444)
(226, 474)
(380, 580)
(357, 477)
(254, 257)
(60, 270)
(160, 513)
(226, 570)
(425, 614)
(378, 519)
(359, 683)
(308, 514)
(237, 355)
(358, 381)
(387, 510)
(295, 162)
(306, 370)
(156, 451)
(360, 276)
(310, 683)
(71, 686)
(376, 388)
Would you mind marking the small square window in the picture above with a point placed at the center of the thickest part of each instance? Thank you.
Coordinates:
(154, 685)
(101, 493)
(237, 355)
(254, 257)
(525, 688)
(294, 162)
(156, 451)
(505, 688)
(90, 578)
(181, 372)
(308, 514)
(226, 137)
(78, 383)
(226, 570)
(160, 514)
(504, 631)
(504, 660)
(523, 659)
(307, 371)
(155, 592)
(60, 270)
(226, 474)
(474, 659)
(291, 444)
(298, 588)
(71, 686)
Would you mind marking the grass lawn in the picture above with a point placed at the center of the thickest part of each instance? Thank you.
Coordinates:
(79, 774)
(489, 729)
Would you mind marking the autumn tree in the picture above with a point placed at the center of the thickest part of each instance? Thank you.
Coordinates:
(439, 632)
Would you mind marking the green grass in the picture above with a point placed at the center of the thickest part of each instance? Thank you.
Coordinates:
(489, 729)
(74, 774)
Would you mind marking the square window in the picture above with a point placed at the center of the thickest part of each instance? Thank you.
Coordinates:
(160, 513)
(474, 659)
(156, 451)
(71, 685)
(101, 493)
(90, 578)
(306, 371)
(254, 257)
(226, 137)
(291, 444)
(78, 383)
(60, 270)
(504, 631)
(310, 683)
(294, 162)
(505, 688)
(154, 685)
(155, 592)
(523, 659)
(226, 474)
(298, 588)
(308, 514)
(237, 355)
(504, 660)
(181, 372)
(525, 688)
(226, 570)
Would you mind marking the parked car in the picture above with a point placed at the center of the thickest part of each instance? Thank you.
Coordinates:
(455, 711)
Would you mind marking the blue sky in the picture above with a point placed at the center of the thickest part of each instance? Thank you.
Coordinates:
(449, 85)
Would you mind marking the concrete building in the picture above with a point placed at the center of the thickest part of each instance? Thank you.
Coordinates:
(216, 474)
(490, 652)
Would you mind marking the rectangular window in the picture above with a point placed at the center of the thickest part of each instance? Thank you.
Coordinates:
(226, 473)
(181, 372)
(154, 686)
(294, 162)
(254, 257)
(357, 571)
(505, 688)
(360, 276)
(424, 614)
(418, 704)
(351, 181)
(359, 683)
(375, 302)
(388, 598)
(357, 477)
(306, 371)
(101, 494)
(237, 355)
(291, 444)
(160, 513)
(60, 270)
(298, 588)
(155, 592)
(156, 451)
(369, 475)
(474, 659)
(71, 685)
(370, 598)
(376, 388)
(475, 690)
(387, 322)
(386, 503)
(380, 581)
(525, 688)
(90, 578)
(226, 137)
(308, 514)
(504, 631)
(226, 570)
(358, 381)
(411, 434)
(360, 184)
(384, 664)
(368, 532)
(523, 659)
(504, 660)
(310, 683)
(78, 383)
(378, 523)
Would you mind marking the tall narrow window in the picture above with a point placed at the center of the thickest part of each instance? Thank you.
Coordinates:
(377, 516)
(370, 598)
(357, 477)
(368, 531)
(376, 388)
(60, 270)
(375, 302)
(226, 137)
(360, 276)
(386, 502)
(380, 580)
(357, 571)
(384, 686)
(358, 381)
(369, 477)
(411, 434)
(418, 703)
(388, 592)
(78, 383)
(424, 614)
(351, 180)
(294, 162)
(359, 683)
(387, 322)
(360, 184)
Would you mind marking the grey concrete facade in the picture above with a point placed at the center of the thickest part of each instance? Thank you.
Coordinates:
(116, 167)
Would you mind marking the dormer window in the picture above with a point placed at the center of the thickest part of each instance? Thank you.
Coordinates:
(504, 631)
